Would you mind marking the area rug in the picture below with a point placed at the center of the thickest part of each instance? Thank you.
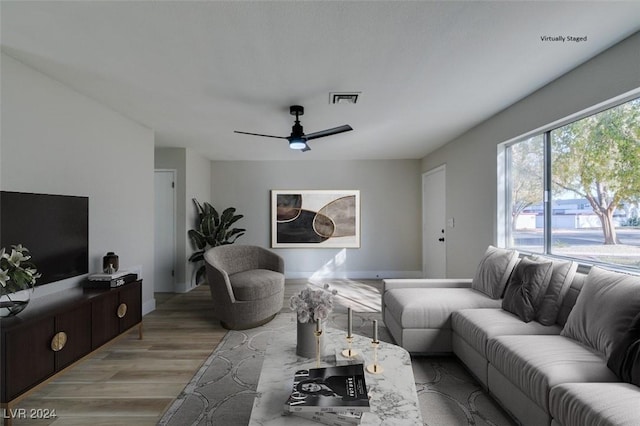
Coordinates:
(222, 391)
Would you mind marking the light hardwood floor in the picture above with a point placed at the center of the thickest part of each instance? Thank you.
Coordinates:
(131, 381)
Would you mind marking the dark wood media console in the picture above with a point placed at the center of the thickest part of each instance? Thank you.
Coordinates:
(55, 331)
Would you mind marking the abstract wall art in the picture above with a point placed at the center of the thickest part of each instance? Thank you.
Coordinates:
(315, 218)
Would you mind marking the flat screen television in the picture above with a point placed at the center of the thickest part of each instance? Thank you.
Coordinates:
(55, 229)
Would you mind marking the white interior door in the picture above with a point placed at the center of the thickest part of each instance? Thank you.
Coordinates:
(434, 248)
(165, 234)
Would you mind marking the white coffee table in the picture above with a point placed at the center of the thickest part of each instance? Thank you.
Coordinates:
(394, 400)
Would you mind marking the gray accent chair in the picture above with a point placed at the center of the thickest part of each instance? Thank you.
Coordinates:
(246, 283)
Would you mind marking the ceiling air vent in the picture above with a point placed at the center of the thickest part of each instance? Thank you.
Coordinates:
(343, 97)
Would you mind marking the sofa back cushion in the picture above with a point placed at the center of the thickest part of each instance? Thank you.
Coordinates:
(604, 309)
(561, 278)
(493, 271)
(526, 288)
(570, 298)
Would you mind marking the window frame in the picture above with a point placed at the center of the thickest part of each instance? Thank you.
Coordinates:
(503, 209)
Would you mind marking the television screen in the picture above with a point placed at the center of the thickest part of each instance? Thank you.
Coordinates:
(55, 229)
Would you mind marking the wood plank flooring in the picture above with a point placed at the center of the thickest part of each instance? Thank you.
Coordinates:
(131, 382)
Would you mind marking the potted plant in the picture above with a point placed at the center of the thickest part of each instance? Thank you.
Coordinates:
(17, 279)
(213, 230)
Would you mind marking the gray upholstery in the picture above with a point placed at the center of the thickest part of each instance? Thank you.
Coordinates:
(538, 375)
(578, 404)
(246, 283)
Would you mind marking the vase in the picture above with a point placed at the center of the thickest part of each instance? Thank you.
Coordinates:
(306, 342)
(13, 303)
(110, 263)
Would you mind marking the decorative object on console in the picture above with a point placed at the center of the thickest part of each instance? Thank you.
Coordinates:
(110, 263)
(17, 279)
(212, 230)
(311, 306)
(315, 218)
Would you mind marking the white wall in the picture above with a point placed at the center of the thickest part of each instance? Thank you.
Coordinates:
(471, 158)
(193, 180)
(390, 212)
(56, 140)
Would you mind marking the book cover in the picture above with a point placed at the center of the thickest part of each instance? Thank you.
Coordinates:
(340, 388)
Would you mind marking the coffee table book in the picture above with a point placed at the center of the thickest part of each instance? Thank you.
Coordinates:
(329, 389)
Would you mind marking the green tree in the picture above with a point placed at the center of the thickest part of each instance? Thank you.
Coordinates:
(598, 158)
(526, 175)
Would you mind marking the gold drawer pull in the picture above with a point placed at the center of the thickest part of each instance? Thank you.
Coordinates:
(122, 310)
(58, 341)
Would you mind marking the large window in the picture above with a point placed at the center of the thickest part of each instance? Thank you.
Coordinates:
(574, 190)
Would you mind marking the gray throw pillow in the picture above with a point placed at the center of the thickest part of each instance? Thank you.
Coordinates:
(604, 309)
(526, 288)
(563, 273)
(494, 270)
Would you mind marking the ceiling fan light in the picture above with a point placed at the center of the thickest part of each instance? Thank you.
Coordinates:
(297, 143)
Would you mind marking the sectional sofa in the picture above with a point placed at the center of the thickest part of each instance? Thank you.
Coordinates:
(553, 345)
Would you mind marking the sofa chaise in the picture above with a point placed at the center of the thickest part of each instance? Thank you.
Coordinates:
(552, 345)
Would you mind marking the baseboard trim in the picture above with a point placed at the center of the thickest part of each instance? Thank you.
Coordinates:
(148, 306)
(354, 275)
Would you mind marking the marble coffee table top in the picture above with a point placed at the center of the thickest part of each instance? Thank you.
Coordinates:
(393, 396)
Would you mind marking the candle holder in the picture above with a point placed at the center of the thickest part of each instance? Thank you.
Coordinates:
(317, 333)
(375, 368)
(349, 352)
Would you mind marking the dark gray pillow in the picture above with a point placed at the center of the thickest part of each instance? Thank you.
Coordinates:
(526, 288)
(494, 270)
(605, 307)
(625, 356)
(563, 273)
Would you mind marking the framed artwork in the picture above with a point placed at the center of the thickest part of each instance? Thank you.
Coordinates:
(315, 218)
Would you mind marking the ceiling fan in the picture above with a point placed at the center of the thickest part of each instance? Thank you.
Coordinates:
(298, 140)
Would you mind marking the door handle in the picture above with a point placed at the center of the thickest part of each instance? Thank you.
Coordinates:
(441, 239)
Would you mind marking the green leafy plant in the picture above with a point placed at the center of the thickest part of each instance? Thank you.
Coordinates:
(213, 230)
(16, 272)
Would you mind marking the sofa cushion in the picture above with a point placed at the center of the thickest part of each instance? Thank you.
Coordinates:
(604, 309)
(625, 355)
(526, 288)
(432, 307)
(494, 270)
(579, 404)
(564, 271)
(537, 363)
(477, 326)
(256, 284)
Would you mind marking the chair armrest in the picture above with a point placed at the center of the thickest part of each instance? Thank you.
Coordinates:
(389, 284)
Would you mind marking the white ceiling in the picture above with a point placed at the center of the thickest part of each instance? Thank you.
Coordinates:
(195, 71)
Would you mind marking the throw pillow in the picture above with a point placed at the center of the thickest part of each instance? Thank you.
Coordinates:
(494, 271)
(563, 273)
(605, 307)
(526, 288)
(625, 355)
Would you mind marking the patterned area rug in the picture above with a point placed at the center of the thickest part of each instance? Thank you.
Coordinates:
(222, 391)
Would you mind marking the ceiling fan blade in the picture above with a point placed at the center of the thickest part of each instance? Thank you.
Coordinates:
(306, 148)
(258, 134)
(328, 132)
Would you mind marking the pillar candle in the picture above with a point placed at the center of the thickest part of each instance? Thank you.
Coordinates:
(375, 330)
(349, 323)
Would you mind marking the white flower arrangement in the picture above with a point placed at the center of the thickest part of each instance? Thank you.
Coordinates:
(16, 272)
(311, 305)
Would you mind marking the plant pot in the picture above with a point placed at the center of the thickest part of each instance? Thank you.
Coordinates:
(306, 341)
(14, 303)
